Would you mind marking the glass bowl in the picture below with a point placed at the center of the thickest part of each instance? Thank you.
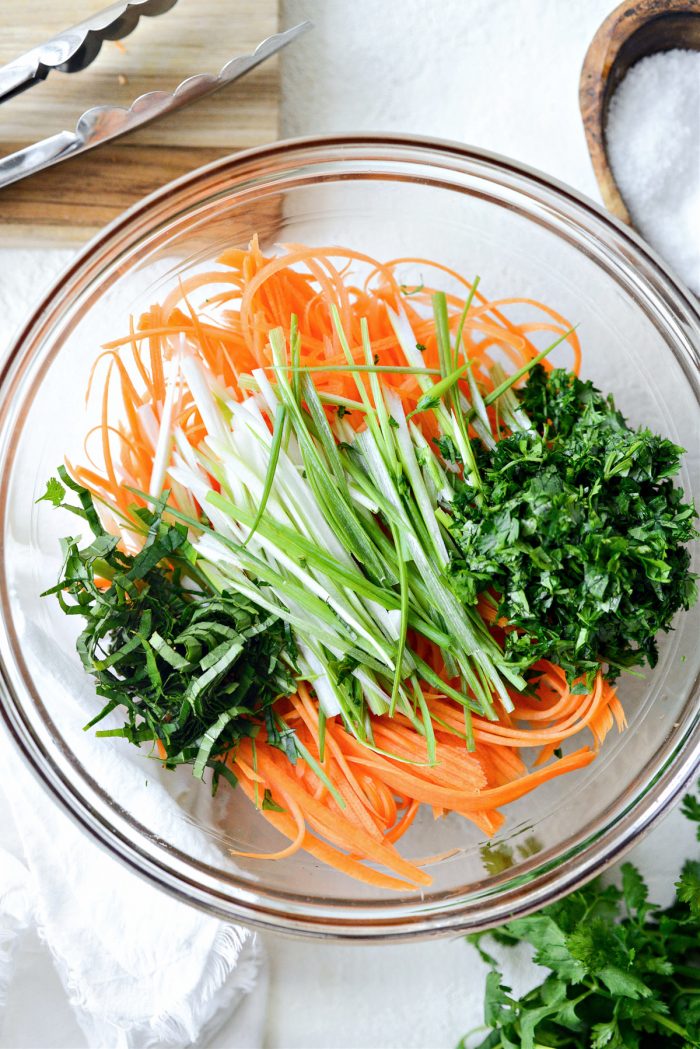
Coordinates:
(391, 197)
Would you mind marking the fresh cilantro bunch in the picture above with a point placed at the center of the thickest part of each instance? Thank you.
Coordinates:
(624, 974)
(579, 530)
(191, 668)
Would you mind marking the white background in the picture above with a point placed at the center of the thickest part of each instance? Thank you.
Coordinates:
(501, 74)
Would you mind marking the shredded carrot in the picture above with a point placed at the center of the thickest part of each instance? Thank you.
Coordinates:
(473, 785)
(225, 315)
(229, 329)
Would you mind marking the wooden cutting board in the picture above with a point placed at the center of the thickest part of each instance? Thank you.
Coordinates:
(68, 203)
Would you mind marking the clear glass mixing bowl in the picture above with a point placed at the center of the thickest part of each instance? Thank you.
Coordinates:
(390, 197)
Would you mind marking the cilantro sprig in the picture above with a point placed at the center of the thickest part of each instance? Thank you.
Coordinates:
(192, 669)
(624, 974)
(579, 529)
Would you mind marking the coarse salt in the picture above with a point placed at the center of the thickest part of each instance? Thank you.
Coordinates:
(653, 141)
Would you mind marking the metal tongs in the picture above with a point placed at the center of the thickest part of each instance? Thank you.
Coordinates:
(75, 48)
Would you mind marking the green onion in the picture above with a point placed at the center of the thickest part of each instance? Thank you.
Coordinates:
(507, 383)
(431, 400)
(280, 419)
(352, 366)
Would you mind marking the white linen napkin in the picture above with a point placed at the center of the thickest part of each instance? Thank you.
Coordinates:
(140, 969)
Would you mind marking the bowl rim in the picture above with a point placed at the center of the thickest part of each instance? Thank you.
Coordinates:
(549, 884)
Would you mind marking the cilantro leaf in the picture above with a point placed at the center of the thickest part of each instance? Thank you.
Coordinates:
(602, 1034)
(634, 888)
(55, 492)
(497, 1001)
(690, 807)
(623, 984)
(688, 886)
(496, 858)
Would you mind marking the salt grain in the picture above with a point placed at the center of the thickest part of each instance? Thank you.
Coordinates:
(653, 139)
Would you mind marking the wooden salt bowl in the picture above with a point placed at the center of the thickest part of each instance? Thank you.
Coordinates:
(635, 29)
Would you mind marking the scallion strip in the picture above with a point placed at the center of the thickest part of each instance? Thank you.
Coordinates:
(278, 431)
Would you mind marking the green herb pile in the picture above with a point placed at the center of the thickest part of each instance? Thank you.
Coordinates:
(579, 530)
(191, 668)
(624, 974)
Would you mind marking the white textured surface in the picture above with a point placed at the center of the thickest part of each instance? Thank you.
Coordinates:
(499, 74)
(503, 75)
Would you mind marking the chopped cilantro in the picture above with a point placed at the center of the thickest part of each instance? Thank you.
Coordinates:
(579, 529)
(448, 449)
